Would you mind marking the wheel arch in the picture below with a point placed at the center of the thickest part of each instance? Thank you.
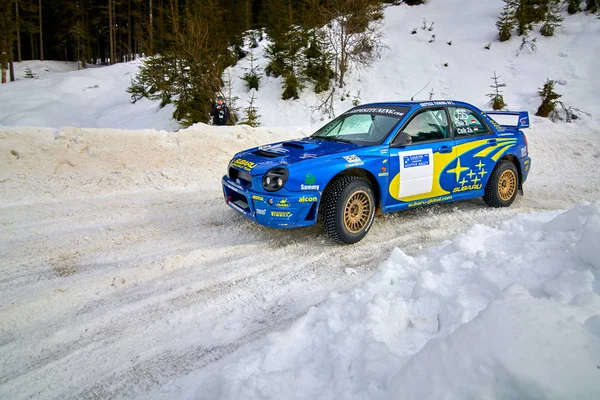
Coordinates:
(513, 159)
(362, 173)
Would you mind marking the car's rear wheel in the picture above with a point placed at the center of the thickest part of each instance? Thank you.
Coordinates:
(501, 189)
(348, 209)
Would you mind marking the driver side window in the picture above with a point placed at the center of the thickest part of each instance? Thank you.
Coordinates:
(428, 125)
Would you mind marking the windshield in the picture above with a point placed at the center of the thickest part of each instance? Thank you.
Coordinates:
(358, 127)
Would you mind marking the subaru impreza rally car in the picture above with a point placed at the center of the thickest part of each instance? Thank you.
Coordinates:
(383, 156)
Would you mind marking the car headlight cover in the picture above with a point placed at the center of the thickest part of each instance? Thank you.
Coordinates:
(274, 179)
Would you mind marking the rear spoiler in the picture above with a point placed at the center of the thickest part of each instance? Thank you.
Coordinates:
(522, 118)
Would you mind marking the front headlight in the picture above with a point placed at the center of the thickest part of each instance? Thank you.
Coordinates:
(274, 179)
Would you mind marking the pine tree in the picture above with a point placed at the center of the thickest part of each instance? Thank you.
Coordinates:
(317, 63)
(497, 100)
(574, 6)
(553, 18)
(506, 21)
(251, 113)
(28, 73)
(251, 76)
(529, 12)
(549, 98)
(592, 6)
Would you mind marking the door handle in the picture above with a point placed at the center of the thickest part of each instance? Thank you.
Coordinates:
(444, 149)
(492, 142)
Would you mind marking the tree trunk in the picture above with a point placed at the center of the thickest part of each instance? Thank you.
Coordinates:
(115, 29)
(129, 55)
(110, 33)
(32, 46)
(3, 62)
(11, 64)
(41, 34)
(151, 50)
(18, 32)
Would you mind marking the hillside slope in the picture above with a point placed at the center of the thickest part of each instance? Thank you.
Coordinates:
(410, 63)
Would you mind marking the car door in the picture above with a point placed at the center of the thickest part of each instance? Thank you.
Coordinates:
(415, 168)
(477, 147)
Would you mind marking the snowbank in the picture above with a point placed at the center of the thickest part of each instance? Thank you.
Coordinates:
(38, 164)
(44, 163)
(509, 312)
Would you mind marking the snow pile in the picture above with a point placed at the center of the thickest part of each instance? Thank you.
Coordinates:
(44, 163)
(509, 312)
(38, 164)
(88, 98)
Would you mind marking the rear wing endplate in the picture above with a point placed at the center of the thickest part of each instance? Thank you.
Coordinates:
(502, 117)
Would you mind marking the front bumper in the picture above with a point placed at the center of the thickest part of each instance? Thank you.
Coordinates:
(277, 210)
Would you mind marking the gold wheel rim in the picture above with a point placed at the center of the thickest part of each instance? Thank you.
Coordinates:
(357, 211)
(507, 185)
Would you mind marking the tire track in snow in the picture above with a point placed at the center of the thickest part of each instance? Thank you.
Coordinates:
(192, 281)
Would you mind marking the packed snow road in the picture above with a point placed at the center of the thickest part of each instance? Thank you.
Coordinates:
(122, 268)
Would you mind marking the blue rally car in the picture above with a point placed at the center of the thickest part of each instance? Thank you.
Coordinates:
(386, 157)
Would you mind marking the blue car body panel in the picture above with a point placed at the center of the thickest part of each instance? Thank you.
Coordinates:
(454, 167)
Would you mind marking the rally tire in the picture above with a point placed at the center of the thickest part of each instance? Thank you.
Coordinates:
(501, 189)
(348, 209)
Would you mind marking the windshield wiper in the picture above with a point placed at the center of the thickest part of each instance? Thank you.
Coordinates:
(343, 140)
(333, 139)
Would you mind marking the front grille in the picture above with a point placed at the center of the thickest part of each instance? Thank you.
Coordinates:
(240, 177)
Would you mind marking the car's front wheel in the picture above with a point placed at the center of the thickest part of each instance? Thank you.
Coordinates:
(501, 189)
(348, 209)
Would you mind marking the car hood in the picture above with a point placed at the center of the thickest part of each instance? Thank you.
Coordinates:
(259, 160)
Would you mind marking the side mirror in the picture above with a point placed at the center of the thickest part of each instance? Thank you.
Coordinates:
(403, 139)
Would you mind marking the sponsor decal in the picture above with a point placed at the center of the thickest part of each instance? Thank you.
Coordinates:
(429, 201)
(382, 174)
(259, 198)
(389, 111)
(243, 164)
(436, 103)
(283, 203)
(309, 187)
(383, 151)
(310, 179)
(306, 199)
(416, 160)
(274, 148)
(281, 214)
(465, 188)
(523, 151)
(261, 211)
(523, 121)
(307, 155)
(233, 186)
(352, 159)
(384, 161)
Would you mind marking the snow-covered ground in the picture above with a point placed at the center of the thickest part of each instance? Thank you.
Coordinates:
(122, 270)
(124, 274)
(89, 98)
